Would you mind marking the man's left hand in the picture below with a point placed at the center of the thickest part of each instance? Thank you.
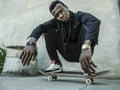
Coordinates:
(86, 63)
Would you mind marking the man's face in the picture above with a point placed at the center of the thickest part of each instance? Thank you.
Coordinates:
(61, 13)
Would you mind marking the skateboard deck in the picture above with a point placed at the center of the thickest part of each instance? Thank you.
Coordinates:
(89, 78)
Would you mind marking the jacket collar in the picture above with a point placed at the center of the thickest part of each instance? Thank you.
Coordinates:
(74, 19)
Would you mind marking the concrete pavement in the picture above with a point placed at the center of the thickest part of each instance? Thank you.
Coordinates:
(62, 83)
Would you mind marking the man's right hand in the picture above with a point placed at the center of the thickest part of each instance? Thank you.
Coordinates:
(29, 53)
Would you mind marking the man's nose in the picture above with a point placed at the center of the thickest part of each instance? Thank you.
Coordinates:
(60, 15)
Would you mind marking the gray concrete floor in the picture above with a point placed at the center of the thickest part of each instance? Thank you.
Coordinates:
(62, 83)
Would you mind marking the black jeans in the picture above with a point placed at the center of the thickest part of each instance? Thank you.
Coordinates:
(70, 52)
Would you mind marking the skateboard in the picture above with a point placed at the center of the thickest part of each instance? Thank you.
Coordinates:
(89, 79)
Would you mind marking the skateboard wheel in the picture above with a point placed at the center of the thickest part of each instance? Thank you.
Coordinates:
(89, 81)
(50, 78)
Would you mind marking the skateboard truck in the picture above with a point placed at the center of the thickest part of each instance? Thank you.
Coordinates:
(89, 80)
(51, 78)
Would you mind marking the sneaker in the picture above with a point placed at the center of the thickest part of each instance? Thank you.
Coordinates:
(54, 67)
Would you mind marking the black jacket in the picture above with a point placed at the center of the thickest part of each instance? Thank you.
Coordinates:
(77, 20)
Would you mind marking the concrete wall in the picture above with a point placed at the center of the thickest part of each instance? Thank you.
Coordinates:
(119, 4)
(19, 17)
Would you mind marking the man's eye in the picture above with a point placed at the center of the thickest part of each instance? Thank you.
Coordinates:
(61, 11)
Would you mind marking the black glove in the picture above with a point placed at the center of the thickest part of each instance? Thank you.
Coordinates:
(29, 53)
